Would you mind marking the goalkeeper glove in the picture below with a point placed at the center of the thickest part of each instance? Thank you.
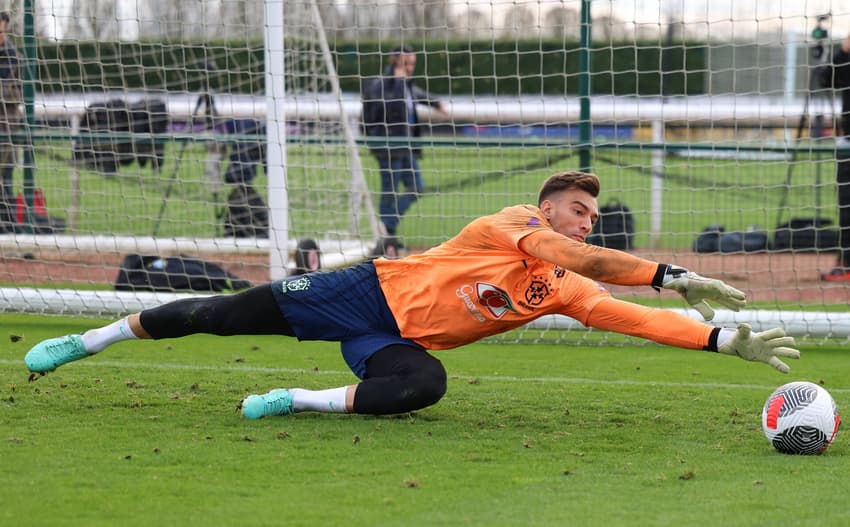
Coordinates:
(765, 347)
(697, 289)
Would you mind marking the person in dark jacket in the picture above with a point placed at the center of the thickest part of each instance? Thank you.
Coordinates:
(10, 117)
(841, 83)
(390, 111)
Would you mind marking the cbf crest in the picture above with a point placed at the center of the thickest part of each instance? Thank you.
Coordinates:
(302, 283)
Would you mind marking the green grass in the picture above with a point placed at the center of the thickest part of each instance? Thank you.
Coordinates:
(463, 183)
(147, 433)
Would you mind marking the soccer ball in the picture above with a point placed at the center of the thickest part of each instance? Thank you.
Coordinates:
(800, 418)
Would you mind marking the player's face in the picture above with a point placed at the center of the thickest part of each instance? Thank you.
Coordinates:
(571, 213)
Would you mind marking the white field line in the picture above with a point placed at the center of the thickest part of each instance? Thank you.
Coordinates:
(493, 378)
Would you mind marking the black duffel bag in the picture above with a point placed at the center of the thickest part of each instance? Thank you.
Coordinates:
(715, 239)
(806, 235)
(174, 273)
(615, 228)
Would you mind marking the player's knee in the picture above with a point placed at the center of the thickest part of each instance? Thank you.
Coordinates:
(430, 384)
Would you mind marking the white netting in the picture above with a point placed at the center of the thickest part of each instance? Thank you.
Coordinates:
(697, 116)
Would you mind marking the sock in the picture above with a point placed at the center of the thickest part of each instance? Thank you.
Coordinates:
(725, 336)
(96, 340)
(327, 401)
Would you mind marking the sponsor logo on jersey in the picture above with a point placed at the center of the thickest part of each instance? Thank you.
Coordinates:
(464, 292)
(496, 301)
(533, 221)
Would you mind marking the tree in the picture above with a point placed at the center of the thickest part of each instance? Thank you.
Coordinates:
(92, 19)
(561, 22)
(472, 23)
(520, 22)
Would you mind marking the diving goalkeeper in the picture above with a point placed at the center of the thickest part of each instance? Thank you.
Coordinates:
(500, 272)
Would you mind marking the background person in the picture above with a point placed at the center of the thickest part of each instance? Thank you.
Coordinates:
(841, 82)
(499, 273)
(389, 111)
(10, 117)
(820, 95)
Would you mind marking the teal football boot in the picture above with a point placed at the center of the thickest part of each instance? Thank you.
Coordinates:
(49, 354)
(276, 402)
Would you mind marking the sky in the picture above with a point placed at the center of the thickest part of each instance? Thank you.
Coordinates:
(704, 18)
(740, 17)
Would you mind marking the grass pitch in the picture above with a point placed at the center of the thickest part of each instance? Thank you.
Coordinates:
(148, 433)
(462, 183)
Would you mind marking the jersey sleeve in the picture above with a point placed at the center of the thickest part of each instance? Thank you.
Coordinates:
(658, 325)
(598, 263)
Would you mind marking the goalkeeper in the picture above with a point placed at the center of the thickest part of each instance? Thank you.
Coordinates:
(500, 272)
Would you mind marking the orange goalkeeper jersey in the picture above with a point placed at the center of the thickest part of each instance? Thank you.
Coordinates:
(504, 270)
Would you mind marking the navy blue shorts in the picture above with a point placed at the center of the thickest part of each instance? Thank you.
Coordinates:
(347, 306)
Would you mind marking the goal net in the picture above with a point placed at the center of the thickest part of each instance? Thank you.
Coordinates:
(228, 132)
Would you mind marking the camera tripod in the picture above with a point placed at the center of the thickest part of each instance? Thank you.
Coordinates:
(205, 100)
(818, 99)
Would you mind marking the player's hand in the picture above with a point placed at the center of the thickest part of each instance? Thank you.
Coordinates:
(765, 347)
(697, 289)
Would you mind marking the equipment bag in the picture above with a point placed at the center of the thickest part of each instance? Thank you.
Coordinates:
(107, 155)
(714, 239)
(246, 155)
(247, 215)
(174, 273)
(615, 228)
(806, 235)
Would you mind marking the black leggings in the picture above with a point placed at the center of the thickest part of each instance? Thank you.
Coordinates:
(398, 378)
(250, 312)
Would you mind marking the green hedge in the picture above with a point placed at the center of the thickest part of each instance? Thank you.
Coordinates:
(547, 67)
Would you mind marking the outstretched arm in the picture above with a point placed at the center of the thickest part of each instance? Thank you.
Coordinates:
(621, 268)
(673, 329)
(658, 325)
(597, 263)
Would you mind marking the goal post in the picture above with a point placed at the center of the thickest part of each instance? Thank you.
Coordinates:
(275, 70)
(301, 27)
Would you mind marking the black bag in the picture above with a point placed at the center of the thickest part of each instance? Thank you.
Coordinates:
(714, 239)
(246, 155)
(615, 228)
(247, 215)
(106, 155)
(708, 241)
(806, 235)
(174, 273)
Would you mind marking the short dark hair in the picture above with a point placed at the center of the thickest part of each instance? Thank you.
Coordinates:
(398, 51)
(569, 180)
(4, 17)
(404, 49)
